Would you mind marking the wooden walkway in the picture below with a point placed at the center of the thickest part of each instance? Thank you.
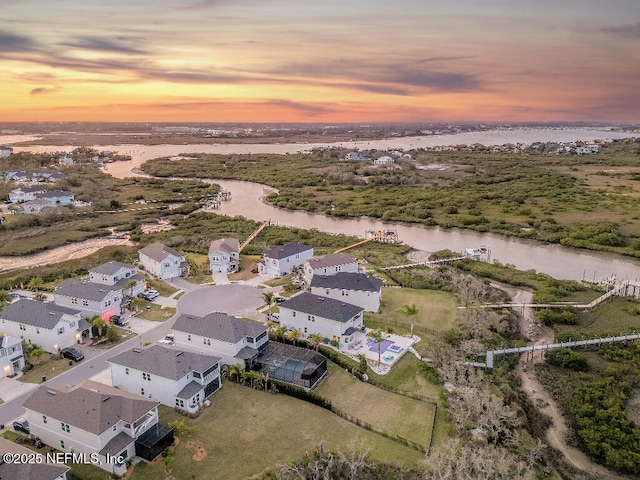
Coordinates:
(254, 235)
(429, 263)
(354, 245)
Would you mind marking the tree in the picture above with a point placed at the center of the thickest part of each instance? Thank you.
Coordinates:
(39, 297)
(409, 309)
(130, 286)
(378, 337)
(362, 363)
(136, 303)
(35, 283)
(268, 298)
(5, 298)
(112, 334)
(233, 372)
(294, 335)
(98, 323)
(315, 339)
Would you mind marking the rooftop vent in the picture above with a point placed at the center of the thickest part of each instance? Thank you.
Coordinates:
(52, 392)
(106, 398)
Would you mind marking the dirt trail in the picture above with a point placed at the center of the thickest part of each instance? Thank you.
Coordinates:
(557, 432)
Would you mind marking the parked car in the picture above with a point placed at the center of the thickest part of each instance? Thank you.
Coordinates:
(167, 340)
(281, 299)
(274, 317)
(72, 354)
(120, 321)
(21, 425)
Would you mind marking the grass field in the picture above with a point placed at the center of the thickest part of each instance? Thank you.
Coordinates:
(436, 310)
(156, 312)
(246, 431)
(50, 366)
(620, 315)
(404, 416)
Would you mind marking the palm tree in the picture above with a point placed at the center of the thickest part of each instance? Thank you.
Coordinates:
(39, 297)
(294, 335)
(98, 323)
(314, 339)
(136, 303)
(268, 298)
(233, 372)
(409, 309)
(34, 284)
(130, 285)
(5, 298)
(279, 332)
(378, 337)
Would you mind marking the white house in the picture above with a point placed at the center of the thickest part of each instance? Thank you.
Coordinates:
(99, 421)
(25, 194)
(357, 156)
(356, 288)
(47, 325)
(281, 261)
(57, 198)
(65, 161)
(333, 319)
(90, 298)
(162, 261)
(386, 160)
(232, 339)
(45, 470)
(118, 275)
(11, 356)
(34, 206)
(224, 255)
(329, 265)
(175, 378)
(5, 151)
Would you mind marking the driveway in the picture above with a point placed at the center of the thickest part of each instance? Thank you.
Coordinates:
(231, 298)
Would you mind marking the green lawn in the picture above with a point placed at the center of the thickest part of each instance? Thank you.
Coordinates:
(156, 312)
(163, 288)
(436, 310)
(404, 416)
(246, 432)
(620, 315)
(50, 366)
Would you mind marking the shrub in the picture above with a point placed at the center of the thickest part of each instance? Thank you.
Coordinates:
(567, 358)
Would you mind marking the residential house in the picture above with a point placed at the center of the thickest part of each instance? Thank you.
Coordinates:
(19, 176)
(50, 326)
(99, 421)
(282, 260)
(25, 194)
(57, 198)
(232, 339)
(386, 160)
(65, 161)
(176, 378)
(34, 206)
(118, 275)
(11, 356)
(333, 319)
(224, 255)
(5, 151)
(356, 288)
(356, 156)
(90, 298)
(26, 470)
(162, 261)
(329, 265)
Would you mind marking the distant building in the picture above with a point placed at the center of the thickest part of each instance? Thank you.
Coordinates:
(11, 356)
(281, 261)
(224, 255)
(5, 151)
(356, 288)
(386, 160)
(163, 262)
(25, 194)
(329, 265)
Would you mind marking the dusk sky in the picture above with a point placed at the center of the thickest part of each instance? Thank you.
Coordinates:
(329, 61)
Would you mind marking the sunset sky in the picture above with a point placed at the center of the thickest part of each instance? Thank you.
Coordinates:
(329, 61)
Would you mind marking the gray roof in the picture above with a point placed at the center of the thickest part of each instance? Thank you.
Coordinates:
(90, 406)
(33, 189)
(111, 268)
(39, 314)
(228, 245)
(54, 194)
(246, 353)
(117, 444)
(159, 252)
(284, 251)
(190, 390)
(331, 260)
(165, 362)
(27, 471)
(86, 290)
(219, 326)
(322, 307)
(358, 282)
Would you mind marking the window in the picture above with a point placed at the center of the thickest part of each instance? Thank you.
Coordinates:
(65, 427)
(326, 291)
(62, 444)
(126, 370)
(207, 341)
(44, 419)
(37, 330)
(146, 376)
(114, 428)
(305, 329)
(179, 403)
(142, 391)
(294, 314)
(85, 303)
(60, 330)
(74, 301)
(189, 337)
(23, 327)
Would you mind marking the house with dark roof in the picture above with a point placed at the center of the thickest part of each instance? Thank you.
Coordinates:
(234, 340)
(224, 255)
(44, 470)
(5, 151)
(177, 378)
(89, 298)
(282, 260)
(102, 422)
(25, 194)
(333, 319)
(163, 262)
(57, 198)
(329, 265)
(118, 275)
(11, 356)
(356, 288)
(50, 326)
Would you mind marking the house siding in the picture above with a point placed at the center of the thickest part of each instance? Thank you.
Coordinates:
(370, 301)
(308, 324)
(48, 339)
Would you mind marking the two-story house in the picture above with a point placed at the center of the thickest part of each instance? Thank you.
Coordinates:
(176, 378)
(11, 356)
(44, 470)
(333, 319)
(25, 194)
(282, 260)
(356, 288)
(118, 275)
(50, 326)
(57, 198)
(224, 255)
(96, 419)
(90, 298)
(232, 339)
(329, 265)
(162, 261)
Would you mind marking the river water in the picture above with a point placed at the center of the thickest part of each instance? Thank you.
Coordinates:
(555, 260)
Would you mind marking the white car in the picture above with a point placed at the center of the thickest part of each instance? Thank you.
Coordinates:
(167, 340)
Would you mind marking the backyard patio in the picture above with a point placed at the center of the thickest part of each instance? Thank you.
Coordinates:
(391, 349)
